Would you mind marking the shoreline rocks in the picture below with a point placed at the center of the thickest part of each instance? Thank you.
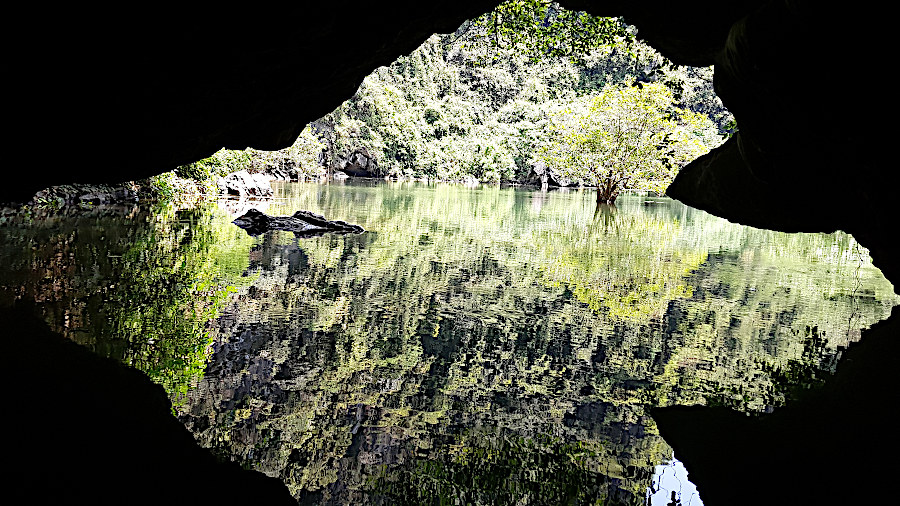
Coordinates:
(86, 194)
(245, 184)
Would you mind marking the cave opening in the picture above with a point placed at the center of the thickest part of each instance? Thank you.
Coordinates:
(399, 374)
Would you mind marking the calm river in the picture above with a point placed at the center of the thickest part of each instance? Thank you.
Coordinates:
(473, 346)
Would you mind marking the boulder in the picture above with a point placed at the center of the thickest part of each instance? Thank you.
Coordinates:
(541, 175)
(537, 176)
(302, 223)
(245, 184)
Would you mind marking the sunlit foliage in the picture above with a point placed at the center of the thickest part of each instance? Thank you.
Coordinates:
(628, 137)
(541, 29)
(223, 162)
(476, 104)
(300, 162)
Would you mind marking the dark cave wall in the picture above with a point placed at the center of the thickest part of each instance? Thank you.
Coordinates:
(110, 96)
(107, 96)
(813, 148)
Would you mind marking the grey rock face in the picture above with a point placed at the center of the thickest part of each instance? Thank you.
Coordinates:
(245, 184)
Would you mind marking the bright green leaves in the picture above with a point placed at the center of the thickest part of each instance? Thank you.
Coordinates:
(223, 162)
(542, 29)
(629, 137)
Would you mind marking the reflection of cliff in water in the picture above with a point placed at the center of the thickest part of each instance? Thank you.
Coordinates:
(492, 345)
(133, 283)
(501, 346)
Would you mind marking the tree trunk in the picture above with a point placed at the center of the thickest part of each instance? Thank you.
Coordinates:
(606, 195)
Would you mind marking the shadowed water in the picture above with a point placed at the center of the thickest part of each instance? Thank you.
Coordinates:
(473, 346)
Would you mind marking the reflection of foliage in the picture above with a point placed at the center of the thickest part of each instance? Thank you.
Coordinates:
(500, 470)
(172, 284)
(463, 327)
(790, 380)
(510, 312)
(138, 287)
(631, 268)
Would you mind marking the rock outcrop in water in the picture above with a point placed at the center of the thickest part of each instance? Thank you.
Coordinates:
(301, 223)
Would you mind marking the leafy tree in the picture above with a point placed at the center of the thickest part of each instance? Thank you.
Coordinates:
(542, 29)
(626, 138)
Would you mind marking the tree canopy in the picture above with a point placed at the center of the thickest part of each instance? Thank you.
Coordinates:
(627, 137)
(542, 29)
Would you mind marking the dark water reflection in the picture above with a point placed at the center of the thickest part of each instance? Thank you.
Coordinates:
(474, 346)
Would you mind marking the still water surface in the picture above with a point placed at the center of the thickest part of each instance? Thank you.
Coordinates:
(473, 346)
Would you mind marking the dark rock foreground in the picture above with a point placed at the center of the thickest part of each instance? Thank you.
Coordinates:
(301, 223)
(83, 429)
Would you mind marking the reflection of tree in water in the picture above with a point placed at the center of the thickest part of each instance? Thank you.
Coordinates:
(466, 329)
(471, 342)
(628, 265)
(605, 213)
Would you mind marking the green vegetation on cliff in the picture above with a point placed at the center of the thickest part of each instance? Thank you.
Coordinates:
(298, 162)
(480, 103)
(500, 96)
